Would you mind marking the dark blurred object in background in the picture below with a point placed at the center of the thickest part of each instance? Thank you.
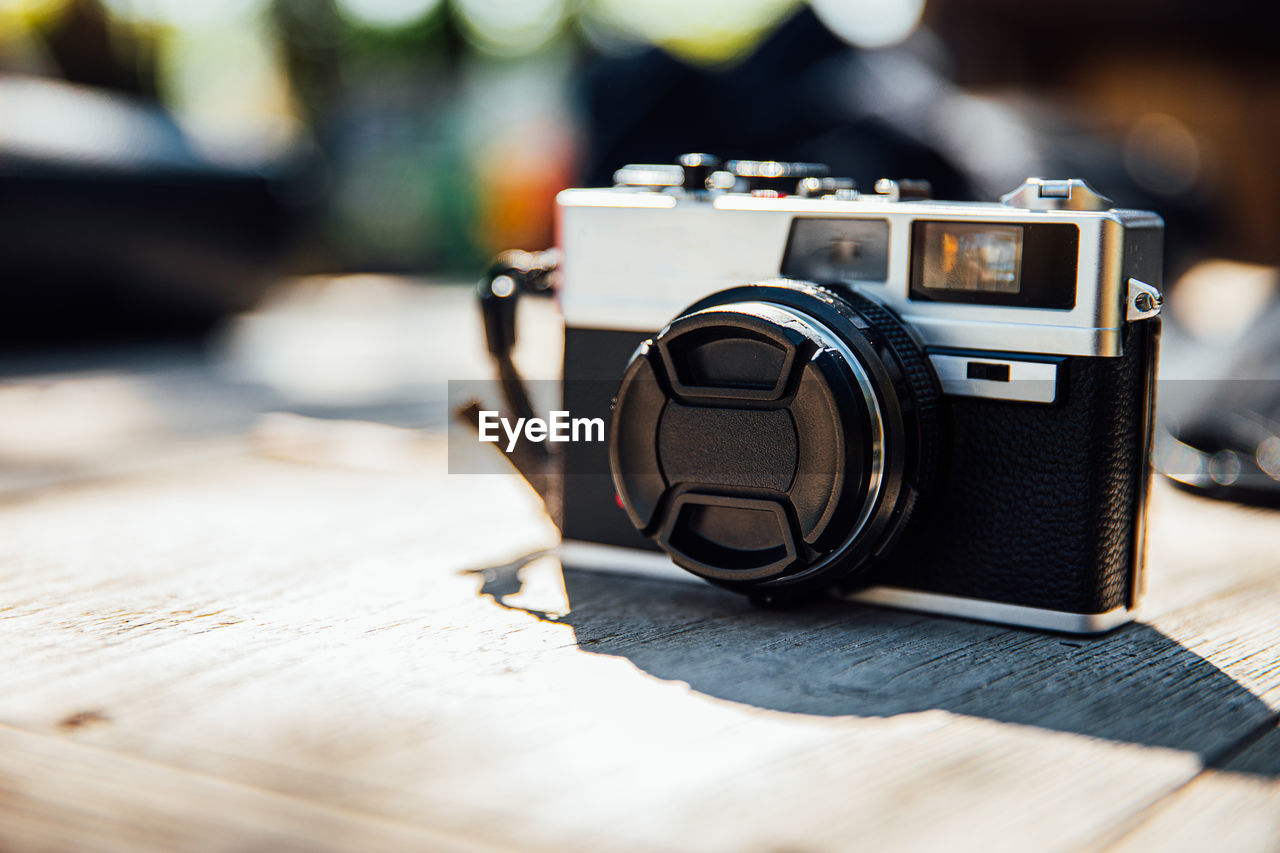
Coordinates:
(113, 225)
(255, 138)
(88, 50)
(445, 126)
(1219, 430)
(807, 94)
(1188, 91)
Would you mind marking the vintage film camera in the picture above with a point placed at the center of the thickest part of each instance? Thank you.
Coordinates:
(940, 406)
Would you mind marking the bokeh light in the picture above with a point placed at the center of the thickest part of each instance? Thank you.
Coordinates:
(229, 92)
(187, 14)
(511, 26)
(387, 13)
(1162, 154)
(871, 23)
(17, 17)
(711, 30)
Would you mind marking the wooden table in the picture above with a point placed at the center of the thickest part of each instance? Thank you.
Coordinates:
(224, 629)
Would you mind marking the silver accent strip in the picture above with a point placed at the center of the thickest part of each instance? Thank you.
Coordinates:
(1029, 381)
(625, 197)
(592, 556)
(994, 611)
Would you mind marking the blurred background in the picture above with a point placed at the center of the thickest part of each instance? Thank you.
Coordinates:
(212, 209)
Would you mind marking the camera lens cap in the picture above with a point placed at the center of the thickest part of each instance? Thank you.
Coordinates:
(756, 445)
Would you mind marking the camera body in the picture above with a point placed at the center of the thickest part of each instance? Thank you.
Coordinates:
(940, 406)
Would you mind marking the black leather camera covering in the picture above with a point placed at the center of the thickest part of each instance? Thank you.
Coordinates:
(594, 360)
(1040, 505)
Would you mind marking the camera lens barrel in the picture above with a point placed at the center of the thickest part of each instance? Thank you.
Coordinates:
(775, 438)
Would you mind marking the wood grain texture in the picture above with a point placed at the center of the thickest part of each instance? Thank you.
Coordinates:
(316, 632)
(305, 634)
(1233, 807)
(56, 795)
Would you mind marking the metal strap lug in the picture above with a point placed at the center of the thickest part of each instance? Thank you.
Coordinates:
(1143, 301)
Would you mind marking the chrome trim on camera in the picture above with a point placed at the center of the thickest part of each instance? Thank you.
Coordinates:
(634, 268)
(1070, 194)
(1027, 382)
(994, 611)
(592, 556)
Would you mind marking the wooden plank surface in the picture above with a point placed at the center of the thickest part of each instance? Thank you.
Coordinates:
(306, 634)
(56, 794)
(1234, 807)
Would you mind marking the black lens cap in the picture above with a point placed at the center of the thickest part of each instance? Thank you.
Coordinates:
(763, 442)
(744, 443)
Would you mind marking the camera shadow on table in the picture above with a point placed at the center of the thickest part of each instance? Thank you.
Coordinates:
(1133, 685)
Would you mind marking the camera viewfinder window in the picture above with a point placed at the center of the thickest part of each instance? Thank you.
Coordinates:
(959, 256)
(995, 263)
(838, 250)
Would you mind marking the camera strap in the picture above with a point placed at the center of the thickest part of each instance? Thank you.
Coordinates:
(511, 275)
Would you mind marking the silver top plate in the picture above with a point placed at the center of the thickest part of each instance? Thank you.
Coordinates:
(635, 259)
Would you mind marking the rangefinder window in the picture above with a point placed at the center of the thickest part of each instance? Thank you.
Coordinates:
(1031, 266)
(831, 250)
(986, 258)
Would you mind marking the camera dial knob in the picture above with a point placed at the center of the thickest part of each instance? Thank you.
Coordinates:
(697, 169)
(818, 187)
(775, 176)
(654, 176)
(765, 443)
